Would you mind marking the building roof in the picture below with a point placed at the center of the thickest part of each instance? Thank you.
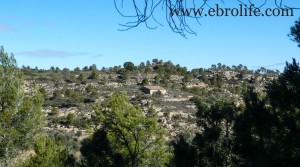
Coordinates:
(154, 88)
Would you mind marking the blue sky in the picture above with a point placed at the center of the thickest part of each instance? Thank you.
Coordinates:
(81, 33)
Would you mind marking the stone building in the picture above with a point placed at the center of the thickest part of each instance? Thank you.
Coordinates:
(152, 89)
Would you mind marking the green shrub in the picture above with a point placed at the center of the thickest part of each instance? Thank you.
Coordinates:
(57, 93)
(89, 88)
(54, 111)
(70, 119)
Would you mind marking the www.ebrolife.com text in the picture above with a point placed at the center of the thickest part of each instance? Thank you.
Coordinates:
(242, 10)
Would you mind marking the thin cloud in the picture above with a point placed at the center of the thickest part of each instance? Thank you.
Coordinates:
(6, 28)
(26, 23)
(278, 64)
(96, 56)
(44, 53)
(272, 65)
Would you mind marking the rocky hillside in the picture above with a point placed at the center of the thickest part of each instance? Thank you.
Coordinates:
(71, 95)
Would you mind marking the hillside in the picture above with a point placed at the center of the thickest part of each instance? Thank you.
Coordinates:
(71, 95)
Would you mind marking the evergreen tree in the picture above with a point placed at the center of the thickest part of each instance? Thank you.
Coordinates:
(254, 133)
(215, 142)
(185, 154)
(129, 66)
(20, 115)
(70, 119)
(49, 153)
(270, 136)
(94, 74)
(81, 77)
(139, 140)
(97, 151)
(295, 32)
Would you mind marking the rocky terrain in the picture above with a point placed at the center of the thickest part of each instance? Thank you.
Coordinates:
(71, 95)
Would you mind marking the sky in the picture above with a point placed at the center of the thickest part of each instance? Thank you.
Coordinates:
(79, 33)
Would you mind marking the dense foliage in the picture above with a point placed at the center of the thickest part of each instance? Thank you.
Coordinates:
(127, 134)
(20, 115)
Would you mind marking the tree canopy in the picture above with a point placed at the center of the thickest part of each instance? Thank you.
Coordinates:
(20, 115)
(134, 138)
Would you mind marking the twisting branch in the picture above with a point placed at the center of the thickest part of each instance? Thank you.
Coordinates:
(143, 11)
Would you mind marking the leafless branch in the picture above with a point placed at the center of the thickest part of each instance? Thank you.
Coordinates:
(143, 11)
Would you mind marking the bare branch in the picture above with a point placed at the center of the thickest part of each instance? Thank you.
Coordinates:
(143, 12)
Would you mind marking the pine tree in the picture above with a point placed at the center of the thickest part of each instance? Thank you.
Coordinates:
(138, 139)
(214, 143)
(20, 114)
(49, 153)
(94, 74)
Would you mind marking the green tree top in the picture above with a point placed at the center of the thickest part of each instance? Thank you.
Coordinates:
(20, 115)
(140, 140)
(129, 66)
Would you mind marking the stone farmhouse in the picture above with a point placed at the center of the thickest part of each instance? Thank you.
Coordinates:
(152, 89)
